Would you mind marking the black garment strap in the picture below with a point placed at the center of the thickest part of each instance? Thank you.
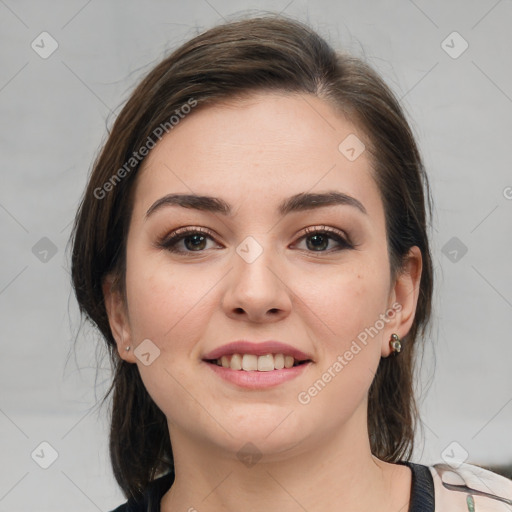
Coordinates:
(156, 492)
(150, 500)
(422, 491)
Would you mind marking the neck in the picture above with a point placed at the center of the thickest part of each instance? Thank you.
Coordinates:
(311, 476)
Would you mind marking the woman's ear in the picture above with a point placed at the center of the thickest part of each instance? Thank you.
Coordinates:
(117, 313)
(404, 298)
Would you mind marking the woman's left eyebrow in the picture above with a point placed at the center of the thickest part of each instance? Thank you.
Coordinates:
(298, 202)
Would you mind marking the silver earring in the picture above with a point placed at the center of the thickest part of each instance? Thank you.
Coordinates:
(127, 348)
(395, 344)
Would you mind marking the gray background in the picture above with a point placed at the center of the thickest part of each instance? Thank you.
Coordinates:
(54, 111)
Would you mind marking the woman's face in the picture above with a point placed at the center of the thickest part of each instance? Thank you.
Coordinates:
(283, 265)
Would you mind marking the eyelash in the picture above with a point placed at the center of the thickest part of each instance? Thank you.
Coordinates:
(170, 242)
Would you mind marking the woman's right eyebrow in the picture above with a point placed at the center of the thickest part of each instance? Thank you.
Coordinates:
(298, 202)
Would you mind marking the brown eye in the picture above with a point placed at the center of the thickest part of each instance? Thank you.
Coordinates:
(197, 242)
(194, 240)
(317, 240)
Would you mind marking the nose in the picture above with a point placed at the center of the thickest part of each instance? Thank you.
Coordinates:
(256, 290)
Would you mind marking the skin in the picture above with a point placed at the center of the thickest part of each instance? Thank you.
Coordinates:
(254, 153)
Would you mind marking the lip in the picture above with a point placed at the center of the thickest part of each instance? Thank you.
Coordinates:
(258, 380)
(258, 349)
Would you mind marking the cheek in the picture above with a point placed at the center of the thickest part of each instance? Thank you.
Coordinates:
(165, 301)
(348, 301)
(166, 307)
(349, 305)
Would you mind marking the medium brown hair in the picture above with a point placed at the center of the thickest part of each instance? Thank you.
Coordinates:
(269, 53)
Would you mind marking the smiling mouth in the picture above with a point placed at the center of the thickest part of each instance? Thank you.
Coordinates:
(251, 362)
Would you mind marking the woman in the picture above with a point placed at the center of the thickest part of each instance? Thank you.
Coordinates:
(252, 245)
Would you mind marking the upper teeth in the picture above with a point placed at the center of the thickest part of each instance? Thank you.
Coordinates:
(251, 362)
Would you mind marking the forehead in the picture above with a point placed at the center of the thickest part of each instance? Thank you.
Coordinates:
(260, 148)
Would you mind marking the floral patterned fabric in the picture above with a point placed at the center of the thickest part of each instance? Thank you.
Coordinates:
(469, 488)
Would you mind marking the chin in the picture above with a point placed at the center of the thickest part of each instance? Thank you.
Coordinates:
(251, 449)
(269, 430)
